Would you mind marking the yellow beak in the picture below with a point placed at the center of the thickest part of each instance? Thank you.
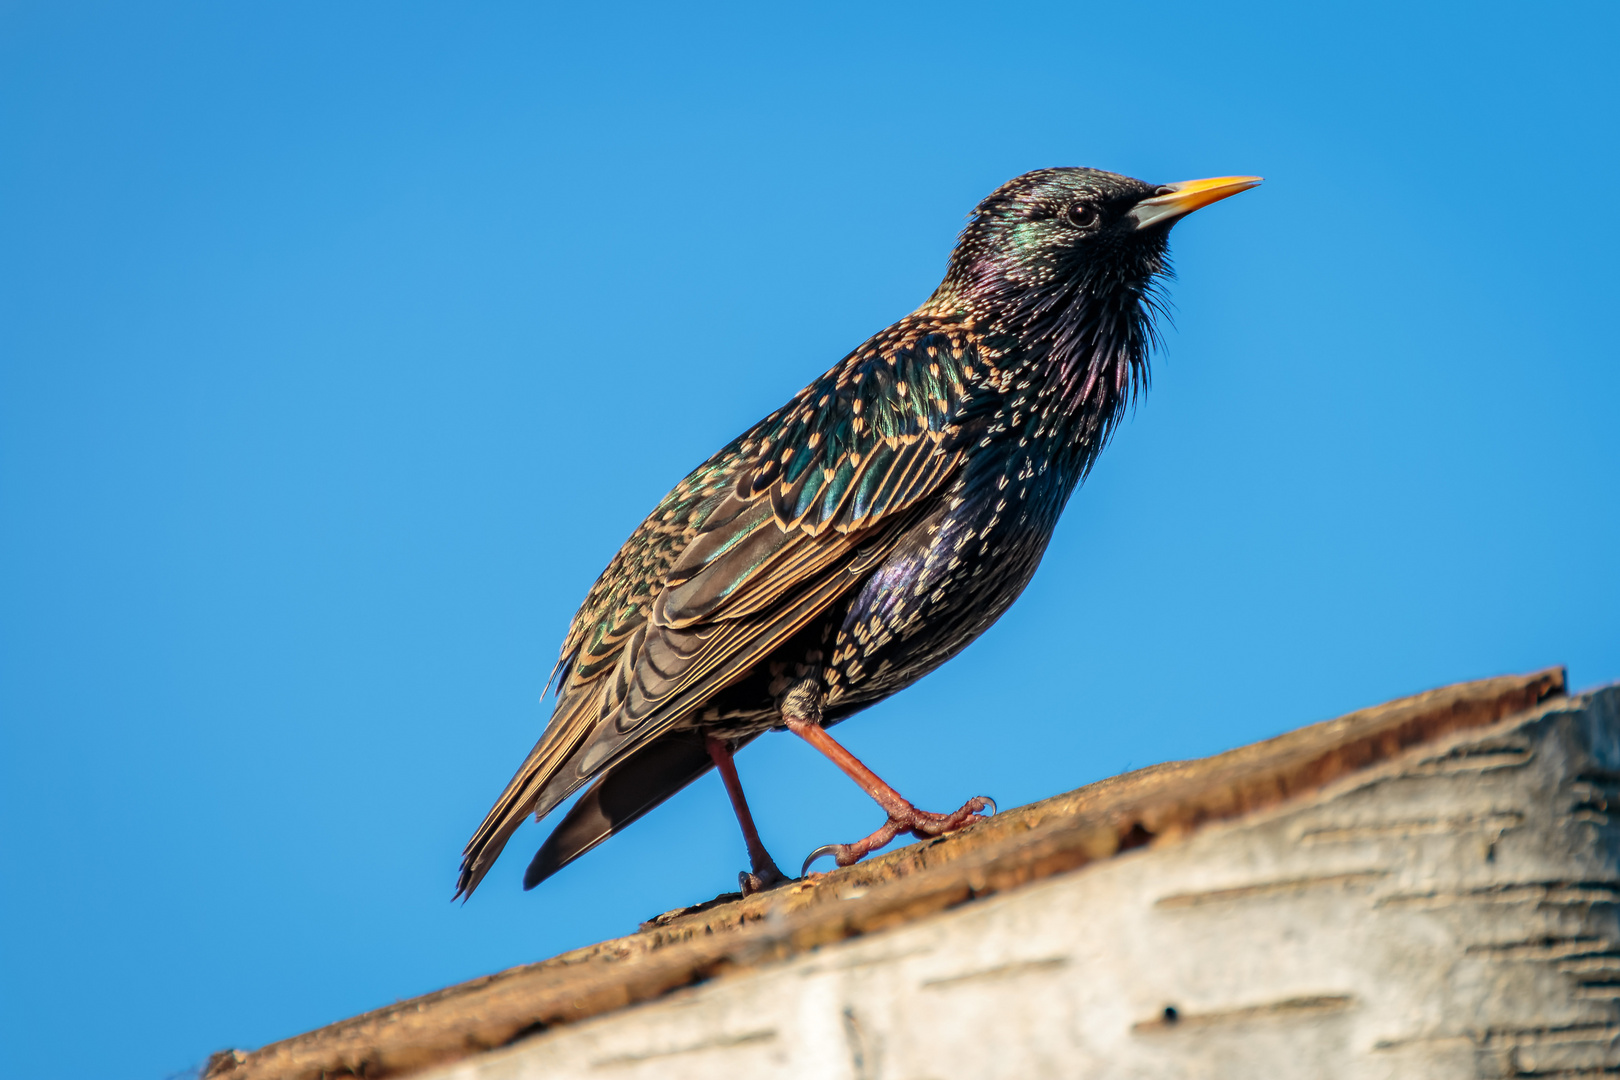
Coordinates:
(1189, 195)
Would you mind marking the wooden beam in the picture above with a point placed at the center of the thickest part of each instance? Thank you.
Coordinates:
(1153, 806)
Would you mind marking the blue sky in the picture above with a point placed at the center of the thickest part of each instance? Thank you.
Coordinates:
(340, 346)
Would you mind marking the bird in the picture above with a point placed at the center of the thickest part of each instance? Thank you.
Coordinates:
(862, 534)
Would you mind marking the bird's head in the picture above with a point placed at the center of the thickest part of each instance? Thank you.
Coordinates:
(1044, 237)
(1065, 261)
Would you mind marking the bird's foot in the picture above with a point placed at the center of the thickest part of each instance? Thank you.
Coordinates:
(904, 819)
(761, 878)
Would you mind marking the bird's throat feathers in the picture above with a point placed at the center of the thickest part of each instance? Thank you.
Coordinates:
(1077, 325)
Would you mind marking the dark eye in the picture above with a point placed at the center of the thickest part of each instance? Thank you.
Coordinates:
(1083, 215)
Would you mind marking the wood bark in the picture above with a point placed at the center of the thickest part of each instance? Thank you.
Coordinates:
(1423, 888)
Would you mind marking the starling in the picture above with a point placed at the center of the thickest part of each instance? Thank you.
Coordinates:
(862, 534)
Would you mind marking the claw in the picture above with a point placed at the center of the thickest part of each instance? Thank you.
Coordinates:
(921, 825)
(824, 849)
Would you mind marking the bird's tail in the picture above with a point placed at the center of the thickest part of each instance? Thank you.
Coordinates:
(620, 796)
(531, 789)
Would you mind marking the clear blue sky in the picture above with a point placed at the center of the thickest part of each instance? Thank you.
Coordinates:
(340, 346)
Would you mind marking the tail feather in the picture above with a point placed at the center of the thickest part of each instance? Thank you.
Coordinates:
(621, 795)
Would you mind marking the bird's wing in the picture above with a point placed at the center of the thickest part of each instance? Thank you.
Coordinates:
(743, 554)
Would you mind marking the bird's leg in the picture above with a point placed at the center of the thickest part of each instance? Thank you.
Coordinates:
(764, 873)
(802, 715)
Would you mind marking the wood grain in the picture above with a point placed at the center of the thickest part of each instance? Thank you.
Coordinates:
(1157, 805)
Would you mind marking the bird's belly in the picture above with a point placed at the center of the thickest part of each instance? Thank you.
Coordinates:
(939, 590)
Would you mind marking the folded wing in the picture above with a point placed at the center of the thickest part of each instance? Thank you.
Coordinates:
(743, 554)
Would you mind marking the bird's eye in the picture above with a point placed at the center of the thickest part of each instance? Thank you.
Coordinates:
(1083, 215)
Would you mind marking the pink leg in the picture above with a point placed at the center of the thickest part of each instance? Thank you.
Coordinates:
(765, 873)
(903, 817)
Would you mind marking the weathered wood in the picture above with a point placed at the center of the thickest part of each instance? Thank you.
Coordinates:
(746, 940)
(1453, 912)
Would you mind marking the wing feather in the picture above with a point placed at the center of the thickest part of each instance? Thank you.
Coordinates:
(741, 556)
(571, 723)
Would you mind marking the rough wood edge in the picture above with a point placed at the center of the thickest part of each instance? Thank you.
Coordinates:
(1159, 804)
